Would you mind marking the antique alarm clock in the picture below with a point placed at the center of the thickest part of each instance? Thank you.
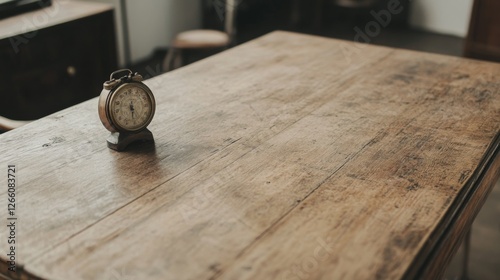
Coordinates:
(126, 108)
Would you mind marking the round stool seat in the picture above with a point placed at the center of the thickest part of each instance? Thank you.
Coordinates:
(201, 38)
(8, 124)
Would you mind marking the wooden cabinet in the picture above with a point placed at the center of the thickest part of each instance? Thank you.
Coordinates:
(64, 57)
(483, 40)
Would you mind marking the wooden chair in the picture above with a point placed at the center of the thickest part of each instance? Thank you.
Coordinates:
(203, 39)
(8, 124)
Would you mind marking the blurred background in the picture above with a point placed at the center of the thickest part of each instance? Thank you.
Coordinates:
(66, 48)
(57, 53)
(427, 25)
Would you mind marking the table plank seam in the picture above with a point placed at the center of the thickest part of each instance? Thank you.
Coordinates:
(277, 222)
(132, 201)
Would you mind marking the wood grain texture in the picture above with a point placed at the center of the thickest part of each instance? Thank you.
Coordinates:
(283, 158)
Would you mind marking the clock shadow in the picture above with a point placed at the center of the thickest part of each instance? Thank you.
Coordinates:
(137, 169)
(141, 147)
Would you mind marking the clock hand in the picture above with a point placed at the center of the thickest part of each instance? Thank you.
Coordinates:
(132, 108)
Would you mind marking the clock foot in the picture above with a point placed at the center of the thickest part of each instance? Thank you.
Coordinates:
(119, 141)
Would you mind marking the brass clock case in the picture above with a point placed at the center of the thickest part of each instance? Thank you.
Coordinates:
(109, 98)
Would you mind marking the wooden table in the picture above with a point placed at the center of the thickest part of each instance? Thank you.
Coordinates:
(284, 158)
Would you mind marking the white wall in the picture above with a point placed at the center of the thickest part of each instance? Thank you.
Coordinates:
(153, 23)
(442, 16)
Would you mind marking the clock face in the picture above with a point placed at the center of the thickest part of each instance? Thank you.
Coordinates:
(131, 107)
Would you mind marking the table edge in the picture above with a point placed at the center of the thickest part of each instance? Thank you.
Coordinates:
(439, 249)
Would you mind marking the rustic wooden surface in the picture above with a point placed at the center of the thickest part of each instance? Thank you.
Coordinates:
(290, 157)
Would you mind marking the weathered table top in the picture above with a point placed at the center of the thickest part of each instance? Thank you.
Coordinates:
(289, 157)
